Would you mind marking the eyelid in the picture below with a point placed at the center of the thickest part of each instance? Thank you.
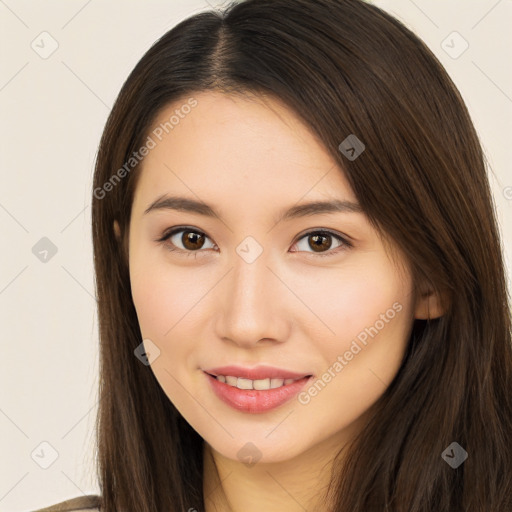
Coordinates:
(344, 240)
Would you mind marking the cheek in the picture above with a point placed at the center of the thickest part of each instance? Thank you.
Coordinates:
(352, 298)
(154, 301)
(162, 295)
(371, 321)
(367, 309)
(163, 310)
(169, 302)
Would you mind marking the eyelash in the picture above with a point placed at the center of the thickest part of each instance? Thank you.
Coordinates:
(331, 252)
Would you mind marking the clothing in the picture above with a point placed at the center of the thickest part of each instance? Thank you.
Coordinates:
(90, 503)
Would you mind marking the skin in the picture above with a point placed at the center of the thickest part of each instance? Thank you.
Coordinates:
(291, 308)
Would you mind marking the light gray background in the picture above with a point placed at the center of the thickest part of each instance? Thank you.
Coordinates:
(52, 114)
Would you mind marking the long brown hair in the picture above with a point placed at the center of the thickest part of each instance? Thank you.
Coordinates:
(345, 67)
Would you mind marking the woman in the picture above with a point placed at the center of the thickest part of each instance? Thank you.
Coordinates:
(340, 339)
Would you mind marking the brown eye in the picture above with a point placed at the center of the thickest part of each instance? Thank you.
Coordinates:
(185, 240)
(188, 241)
(321, 242)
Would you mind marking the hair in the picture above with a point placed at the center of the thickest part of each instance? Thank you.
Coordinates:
(344, 67)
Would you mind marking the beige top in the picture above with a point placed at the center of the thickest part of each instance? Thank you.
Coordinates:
(90, 503)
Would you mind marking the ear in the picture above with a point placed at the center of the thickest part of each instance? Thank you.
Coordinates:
(430, 305)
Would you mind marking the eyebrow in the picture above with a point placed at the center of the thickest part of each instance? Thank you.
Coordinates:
(185, 204)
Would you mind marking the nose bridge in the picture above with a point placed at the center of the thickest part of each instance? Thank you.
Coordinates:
(250, 309)
(251, 280)
(251, 275)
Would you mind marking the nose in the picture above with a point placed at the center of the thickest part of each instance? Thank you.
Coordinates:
(252, 304)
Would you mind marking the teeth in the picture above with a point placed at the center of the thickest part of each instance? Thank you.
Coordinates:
(232, 381)
(261, 384)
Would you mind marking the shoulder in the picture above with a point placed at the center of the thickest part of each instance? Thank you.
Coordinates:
(90, 503)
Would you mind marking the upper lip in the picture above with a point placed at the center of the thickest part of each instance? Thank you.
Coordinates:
(256, 373)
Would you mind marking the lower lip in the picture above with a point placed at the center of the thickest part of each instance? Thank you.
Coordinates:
(254, 400)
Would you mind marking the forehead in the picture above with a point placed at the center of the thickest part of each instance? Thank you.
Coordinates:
(228, 148)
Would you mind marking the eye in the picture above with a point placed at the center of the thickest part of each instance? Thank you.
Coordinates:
(320, 240)
(192, 240)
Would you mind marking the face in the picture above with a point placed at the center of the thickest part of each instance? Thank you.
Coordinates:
(319, 295)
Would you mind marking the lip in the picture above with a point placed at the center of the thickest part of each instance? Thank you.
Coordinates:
(256, 401)
(256, 373)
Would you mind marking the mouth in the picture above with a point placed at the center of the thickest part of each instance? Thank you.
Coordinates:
(255, 396)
